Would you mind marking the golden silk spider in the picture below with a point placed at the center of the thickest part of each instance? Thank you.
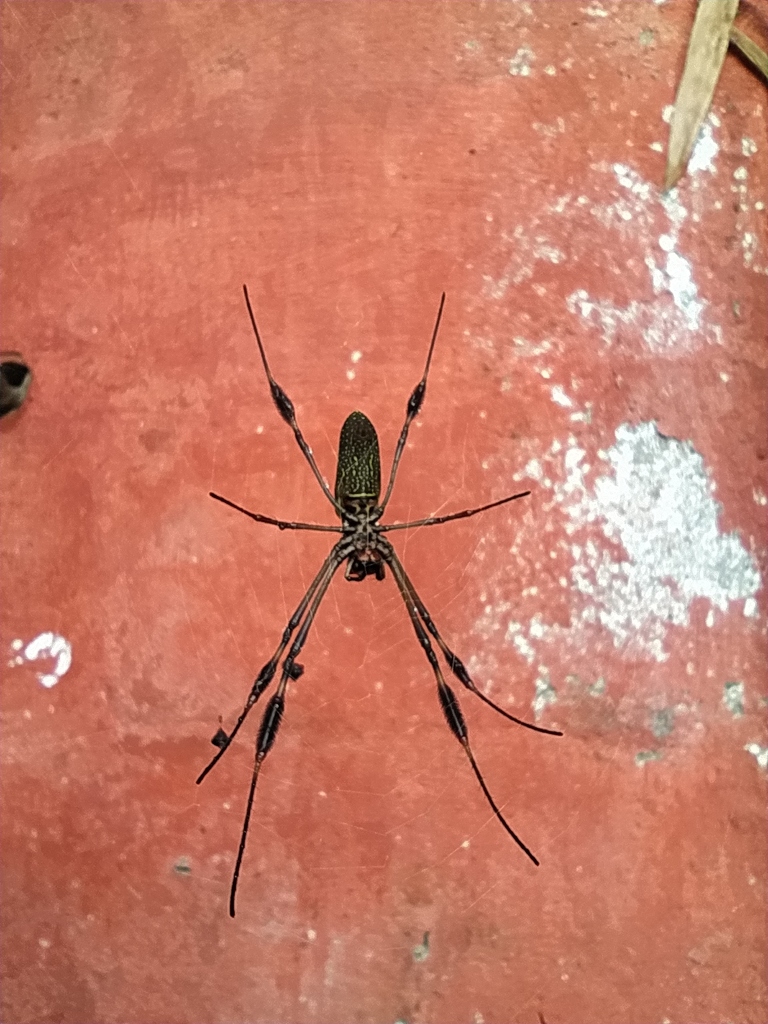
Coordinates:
(366, 551)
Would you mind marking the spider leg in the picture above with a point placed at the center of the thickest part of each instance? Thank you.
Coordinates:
(455, 664)
(434, 520)
(412, 409)
(270, 723)
(273, 713)
(335, 558)
(281, 523)
(287, 411)
(448, 701)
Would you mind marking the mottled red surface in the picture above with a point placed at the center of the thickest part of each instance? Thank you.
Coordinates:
(349, 161)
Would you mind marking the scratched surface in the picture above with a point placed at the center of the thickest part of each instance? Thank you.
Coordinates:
(602, 344)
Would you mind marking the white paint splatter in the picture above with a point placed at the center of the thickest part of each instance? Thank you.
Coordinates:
(560, 398)
(662, 325)
(527, 251)
(520, 64)
(749, 247)
(606, 314)
(677, 279)
(356, 356)
(47, 645)
(748, 146)
(759, 753)
(705, 148)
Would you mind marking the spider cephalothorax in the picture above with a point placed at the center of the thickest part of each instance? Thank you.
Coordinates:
(366, 551)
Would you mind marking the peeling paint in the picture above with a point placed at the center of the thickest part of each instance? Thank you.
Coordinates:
(658, 505)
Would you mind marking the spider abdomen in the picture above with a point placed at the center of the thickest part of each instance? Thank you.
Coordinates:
(358, 474)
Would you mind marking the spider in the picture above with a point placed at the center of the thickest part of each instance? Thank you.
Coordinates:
(366, 550)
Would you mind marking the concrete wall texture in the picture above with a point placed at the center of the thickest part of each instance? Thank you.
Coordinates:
(602, 345)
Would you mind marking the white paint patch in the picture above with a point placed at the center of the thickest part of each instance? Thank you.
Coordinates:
(705, 148)
(545, 693)
(356, 356)
(47, 645)
(677, 279)
(748, 146)
(733, 698)
(658, 504)
(759, 753)
(749, 247)
(518, 640)
(521, 63)
(664, 326)
(606, 314)
(527, 251)
(560, 398)
(533, 470)
(748, 223)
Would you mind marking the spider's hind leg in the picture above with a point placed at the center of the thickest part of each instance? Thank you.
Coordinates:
(447, 697)
(455, 664)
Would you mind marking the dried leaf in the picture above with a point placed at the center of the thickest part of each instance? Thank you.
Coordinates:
(757, 58)
(707, 48)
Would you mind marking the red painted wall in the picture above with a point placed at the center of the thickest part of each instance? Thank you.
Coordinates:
(350, 161)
